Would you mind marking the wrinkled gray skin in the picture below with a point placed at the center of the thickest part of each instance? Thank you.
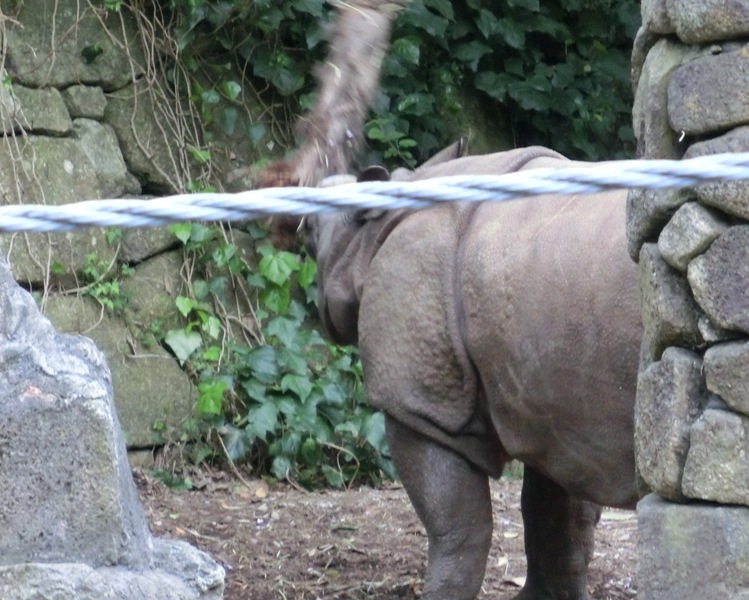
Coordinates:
(490, 332)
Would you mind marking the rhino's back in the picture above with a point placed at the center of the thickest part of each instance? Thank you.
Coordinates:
(552, 325)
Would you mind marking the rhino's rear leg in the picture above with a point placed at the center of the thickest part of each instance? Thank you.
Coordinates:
(558, 540)
(452, 500)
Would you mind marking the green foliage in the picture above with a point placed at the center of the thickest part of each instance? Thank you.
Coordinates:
(102, 278)
(275, 44)
(290, 404)
(553, 72)
(557, 70)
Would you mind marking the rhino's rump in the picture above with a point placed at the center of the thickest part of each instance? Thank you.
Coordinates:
(552, 325)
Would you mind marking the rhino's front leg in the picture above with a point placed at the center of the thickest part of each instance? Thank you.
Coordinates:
(558, 540)
(452, 500)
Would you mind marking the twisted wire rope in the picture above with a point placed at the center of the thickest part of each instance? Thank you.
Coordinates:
(647, 174)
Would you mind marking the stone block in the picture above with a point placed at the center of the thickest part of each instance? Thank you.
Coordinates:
(52, 171)
(99, 143)
(670, 396)
(711, 333)
(689, 232)
(60, 44)
(731, 197)
(11, 115)
(85, 101)
(153, 288)
(648, 211)
(692, 551)
(146, 135)
(669, 314)
(655, 137)
(44, 111)
(720, 279)
(708, 94)
(703, 21)
(141, 243)
(655, 16)
(717, 468)
(149, 386)
(643, 42)
(727, 373)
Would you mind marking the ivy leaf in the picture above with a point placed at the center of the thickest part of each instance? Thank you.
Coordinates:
(238, 443)
(292, 360)
(277, 267)
(255, 389)
(262, 361)
(210, 97)
(256, 132)
(284, 329)
(211, 398)
(231, 89)
(471, 53)
(262, 420)
(228, 119)
(184, 305)
(212, 327)
(374, 431)
(182, 231)
(311, 452)
(512, 32)
(444, 7)
(298, 384)
(276, 299)
(281, 467)
(407, 48)
(333, 476)
(307, 273)
(487, 23)
(494, 84)
(183, 343)
(311, 7)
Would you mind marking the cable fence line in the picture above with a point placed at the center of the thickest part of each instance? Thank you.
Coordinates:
(251, 204)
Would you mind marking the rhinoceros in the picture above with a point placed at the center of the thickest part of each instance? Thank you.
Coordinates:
(491, 332)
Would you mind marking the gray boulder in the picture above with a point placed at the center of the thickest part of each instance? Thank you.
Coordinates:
(72, 523)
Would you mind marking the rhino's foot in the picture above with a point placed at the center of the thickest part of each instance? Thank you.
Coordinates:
(530, 592)
(453, 502)
(558, 540)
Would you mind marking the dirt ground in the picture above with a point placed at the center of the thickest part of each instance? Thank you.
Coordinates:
(283, 543)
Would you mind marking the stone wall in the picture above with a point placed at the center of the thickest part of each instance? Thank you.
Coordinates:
(81, 118)
(691, 74)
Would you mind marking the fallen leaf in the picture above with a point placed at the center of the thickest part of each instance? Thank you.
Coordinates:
(515, 581)
(180, 532)
(502, 561)
(510, 535)
(618, 515)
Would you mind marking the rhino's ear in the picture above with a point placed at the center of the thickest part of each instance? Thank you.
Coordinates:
(374, 173)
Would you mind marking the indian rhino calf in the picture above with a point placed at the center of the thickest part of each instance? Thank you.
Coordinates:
(489, 332)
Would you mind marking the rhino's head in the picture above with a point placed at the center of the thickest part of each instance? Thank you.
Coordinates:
(343, 245)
